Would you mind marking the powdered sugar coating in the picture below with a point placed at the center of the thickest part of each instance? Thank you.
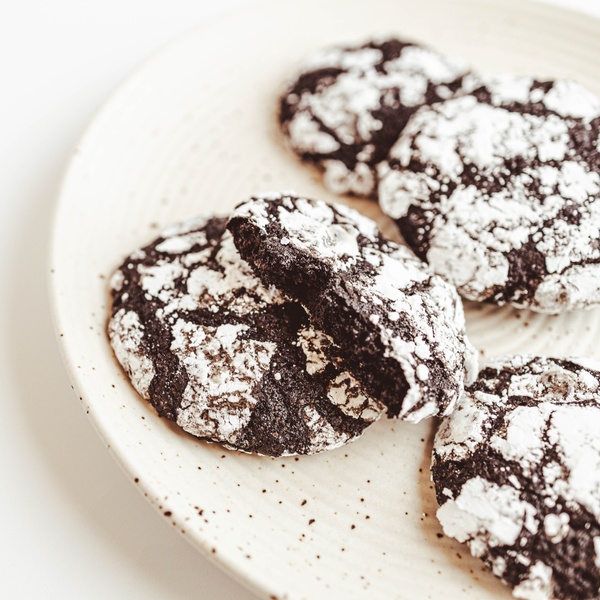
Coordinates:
(347, 105)
(500, 192)
(517, 474)
(225, 357)
(400, 327)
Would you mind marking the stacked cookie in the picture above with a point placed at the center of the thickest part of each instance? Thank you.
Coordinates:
(357, 327)
(494, 181)
(293, 325)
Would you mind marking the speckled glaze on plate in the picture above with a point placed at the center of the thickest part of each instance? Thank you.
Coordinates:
(193, 131)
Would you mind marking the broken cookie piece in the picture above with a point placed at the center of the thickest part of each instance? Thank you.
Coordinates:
(400, 328)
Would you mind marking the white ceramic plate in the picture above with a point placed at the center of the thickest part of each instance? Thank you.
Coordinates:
(193, 131)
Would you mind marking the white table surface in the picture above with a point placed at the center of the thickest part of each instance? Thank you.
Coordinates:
(72, 526)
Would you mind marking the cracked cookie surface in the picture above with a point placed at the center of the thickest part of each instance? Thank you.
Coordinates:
(516, 469)
(400, 328)
(347, 105)
(225, 357)
(499, 191)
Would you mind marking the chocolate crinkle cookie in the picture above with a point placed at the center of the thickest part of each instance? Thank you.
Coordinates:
(400, 328)
(499, 191)
(346, 106)
(516, 469)
(225, 357)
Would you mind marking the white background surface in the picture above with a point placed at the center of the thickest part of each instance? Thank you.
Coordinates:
(72, 526)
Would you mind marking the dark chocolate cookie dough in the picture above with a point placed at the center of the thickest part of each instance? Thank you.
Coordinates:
(225, 357)
(347, 105)
(399, 326)
(516, 469)
(499, 191)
